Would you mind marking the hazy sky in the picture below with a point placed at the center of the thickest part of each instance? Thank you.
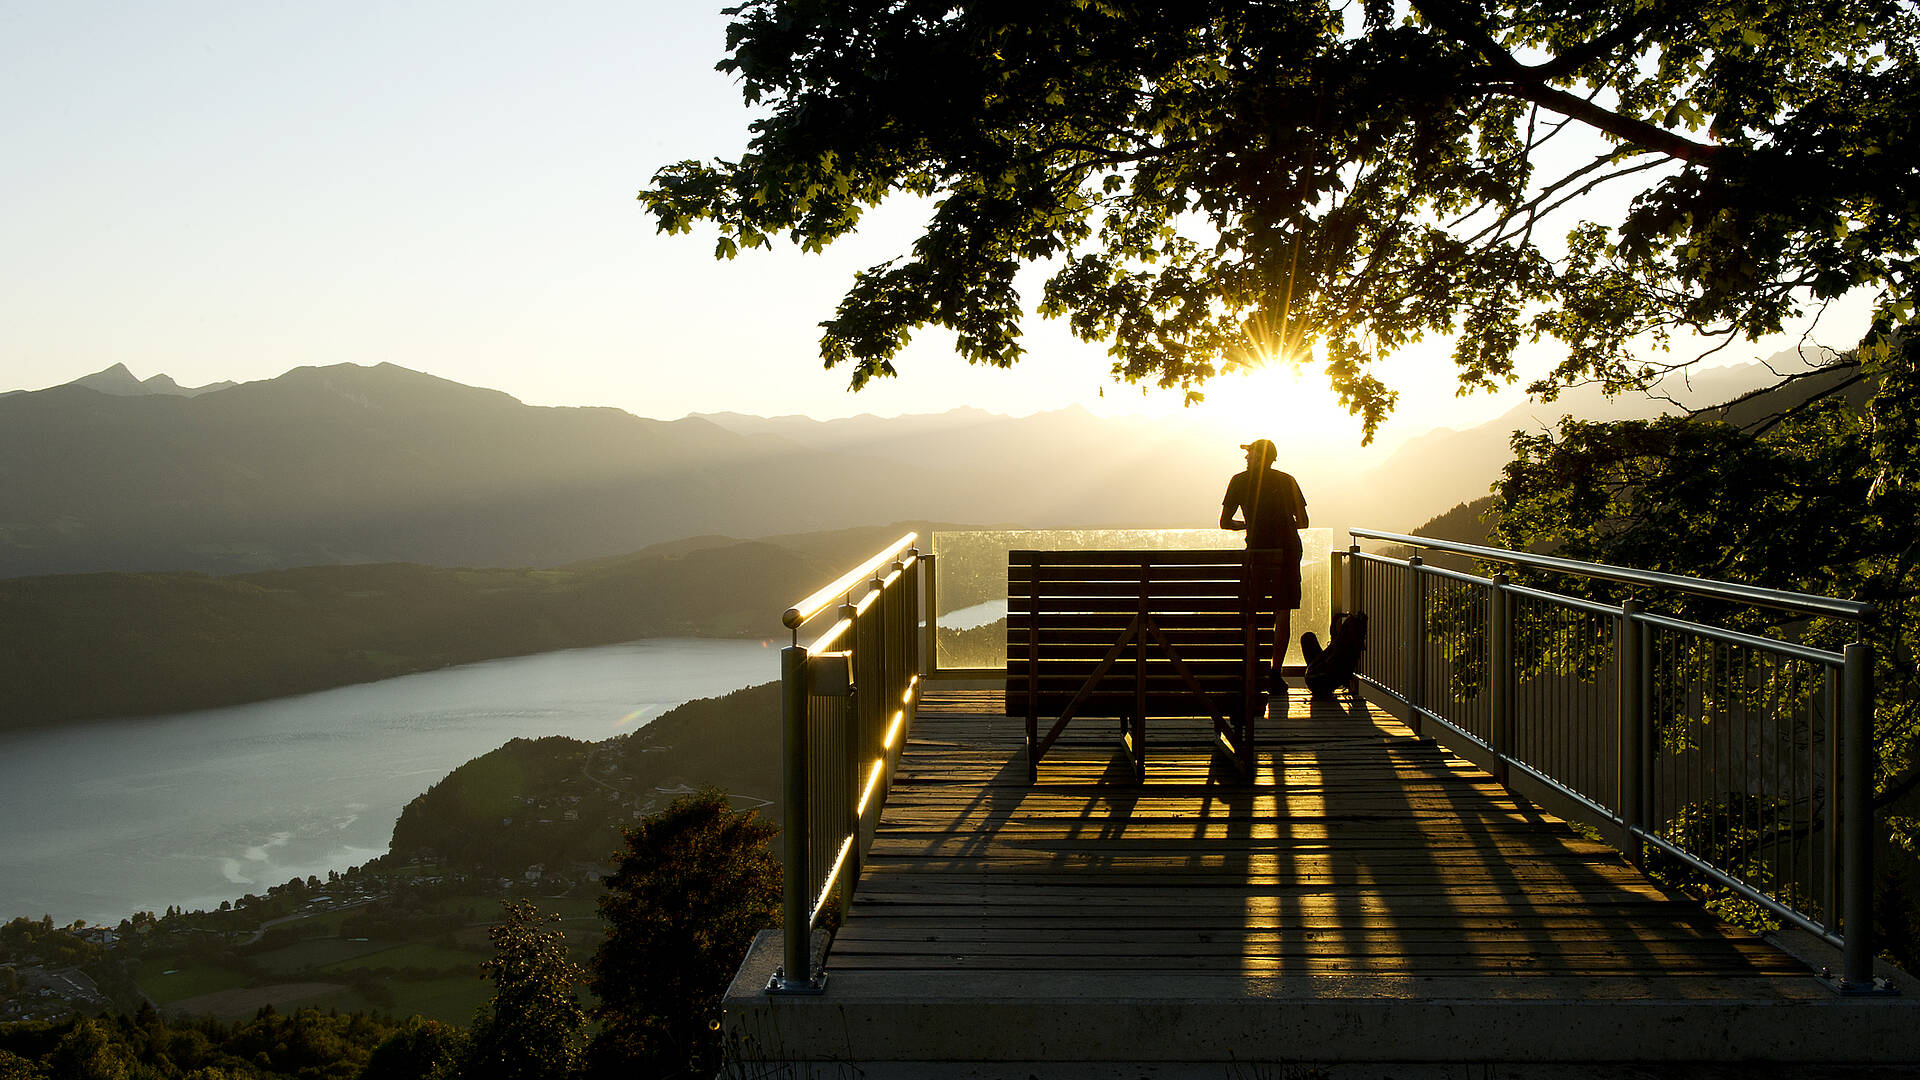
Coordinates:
(226, 191)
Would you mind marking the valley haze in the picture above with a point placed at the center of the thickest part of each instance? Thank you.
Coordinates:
(348, 464)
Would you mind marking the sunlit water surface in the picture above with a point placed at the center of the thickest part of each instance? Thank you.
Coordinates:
(104, 819)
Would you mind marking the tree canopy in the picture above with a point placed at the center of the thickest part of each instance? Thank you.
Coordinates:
(532, 1029)
(694, 884)
(1212, 183)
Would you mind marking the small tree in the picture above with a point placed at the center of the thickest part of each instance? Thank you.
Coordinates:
(420, 1050)
(694, 885)
(91, 1050)
(15, 1067)
(531, 1030)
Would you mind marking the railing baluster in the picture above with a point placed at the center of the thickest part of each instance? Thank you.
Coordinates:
(1655, 726)
(1857, 760)
(1415, 646)
(1498, 675)
(1631, 797)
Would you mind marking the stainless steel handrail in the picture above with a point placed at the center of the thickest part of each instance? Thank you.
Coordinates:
(847, 701)
(813, 605)
(1805, 603)
(1570, 695)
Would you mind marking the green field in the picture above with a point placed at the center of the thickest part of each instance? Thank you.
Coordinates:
(419, 954)
(316, 953)
(451, 1000)
(186, 981)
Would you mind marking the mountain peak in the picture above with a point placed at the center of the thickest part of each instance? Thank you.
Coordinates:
(120, 382)
(115, 380)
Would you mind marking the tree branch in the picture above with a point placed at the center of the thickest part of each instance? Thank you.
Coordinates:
(1531, 84)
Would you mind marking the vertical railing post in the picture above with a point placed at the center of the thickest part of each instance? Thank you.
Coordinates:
(1857, 765)
(1336, 585)
(796, 905)
(920, 569)
(1631, 798)
(926, 571)
(1416, 644)
(859, 637)
(1499, 675)
(1355, 602)
(900, 640)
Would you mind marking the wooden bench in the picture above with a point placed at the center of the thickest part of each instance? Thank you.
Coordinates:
(1133, 635)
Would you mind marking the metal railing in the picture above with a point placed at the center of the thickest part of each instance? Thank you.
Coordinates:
(847, 700)
(1747, 760)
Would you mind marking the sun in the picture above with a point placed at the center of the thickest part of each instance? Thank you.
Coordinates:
(1269, 343)
(1286, 399)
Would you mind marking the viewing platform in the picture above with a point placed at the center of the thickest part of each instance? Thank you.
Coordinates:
(1366, 895)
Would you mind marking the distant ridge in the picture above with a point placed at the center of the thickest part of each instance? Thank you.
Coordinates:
(354, 464)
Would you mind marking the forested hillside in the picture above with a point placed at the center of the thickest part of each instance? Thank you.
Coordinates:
(100, 645)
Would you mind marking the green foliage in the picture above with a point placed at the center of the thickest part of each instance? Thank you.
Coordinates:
(306, 1045)
(1215, 183)
(38, 941)
(89, 1051)
(421, 1050)
(694, 885)
(1811, 495)
(531, 1030)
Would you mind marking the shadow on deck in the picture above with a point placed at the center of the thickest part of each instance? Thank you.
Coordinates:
(1367, 898)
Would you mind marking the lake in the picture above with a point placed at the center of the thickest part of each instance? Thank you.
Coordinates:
(110, 817)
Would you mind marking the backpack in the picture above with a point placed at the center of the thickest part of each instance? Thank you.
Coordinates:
(1333, 667)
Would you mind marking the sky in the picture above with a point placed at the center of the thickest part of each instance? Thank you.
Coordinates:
(226, 191)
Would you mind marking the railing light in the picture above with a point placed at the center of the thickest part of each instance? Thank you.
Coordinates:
(833, 878)
(832, 637)
(873, 784)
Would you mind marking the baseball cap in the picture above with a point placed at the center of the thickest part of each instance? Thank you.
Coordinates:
(1263, 447)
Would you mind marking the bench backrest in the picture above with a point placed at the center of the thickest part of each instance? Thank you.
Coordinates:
(1067, 609)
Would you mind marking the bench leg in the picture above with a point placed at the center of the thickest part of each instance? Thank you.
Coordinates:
(1133, 740)
(1033, 749)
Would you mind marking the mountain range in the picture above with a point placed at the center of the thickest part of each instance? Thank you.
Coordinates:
(352, 464)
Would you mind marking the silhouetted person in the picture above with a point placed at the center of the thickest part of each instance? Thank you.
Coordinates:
(1274, 513)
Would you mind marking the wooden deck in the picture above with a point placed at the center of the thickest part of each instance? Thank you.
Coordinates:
(1357, 849)
(1362, 897)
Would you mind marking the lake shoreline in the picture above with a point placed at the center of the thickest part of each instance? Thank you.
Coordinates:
(187, 806)
(23, 727)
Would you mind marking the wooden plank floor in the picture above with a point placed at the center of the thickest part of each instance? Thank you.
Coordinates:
(1356, 850)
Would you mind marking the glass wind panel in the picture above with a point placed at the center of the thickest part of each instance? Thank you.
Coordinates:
(970, 581)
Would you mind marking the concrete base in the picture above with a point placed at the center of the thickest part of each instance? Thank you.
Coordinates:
(979, 1025)
(1153, 1070)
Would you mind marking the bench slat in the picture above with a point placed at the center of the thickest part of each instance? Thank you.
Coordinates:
(1130, 590)
(1074, 652)
(1197, 621)
(1112, 558)
(1118, 572)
